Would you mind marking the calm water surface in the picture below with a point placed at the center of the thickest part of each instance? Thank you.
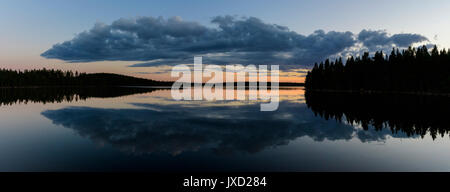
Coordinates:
(149, 131)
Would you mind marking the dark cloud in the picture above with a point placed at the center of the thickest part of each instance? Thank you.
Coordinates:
(233, 40)
(379, 39)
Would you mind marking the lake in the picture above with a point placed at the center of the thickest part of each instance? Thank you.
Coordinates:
(144, 129)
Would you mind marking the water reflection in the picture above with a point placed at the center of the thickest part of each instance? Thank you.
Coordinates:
(409, 114)
(11, 96)
(161, 124)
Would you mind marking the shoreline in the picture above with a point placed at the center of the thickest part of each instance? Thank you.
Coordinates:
(284, 85)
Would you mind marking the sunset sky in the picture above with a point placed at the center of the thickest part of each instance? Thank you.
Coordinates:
(146, 38)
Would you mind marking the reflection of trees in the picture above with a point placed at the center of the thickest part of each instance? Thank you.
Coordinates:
(178, 128)
(411, 114)
(9, 96)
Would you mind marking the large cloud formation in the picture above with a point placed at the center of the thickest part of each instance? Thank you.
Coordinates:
(232, 40)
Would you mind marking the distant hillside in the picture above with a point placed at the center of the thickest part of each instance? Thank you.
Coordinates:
(109, 79)
(46, 77)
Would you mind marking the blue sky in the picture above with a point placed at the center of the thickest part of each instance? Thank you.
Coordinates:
(30, 27)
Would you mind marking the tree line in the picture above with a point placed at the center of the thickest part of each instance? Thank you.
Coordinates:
(409, 70)
(51, 77)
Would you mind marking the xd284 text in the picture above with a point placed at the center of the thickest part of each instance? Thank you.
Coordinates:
(229, 182)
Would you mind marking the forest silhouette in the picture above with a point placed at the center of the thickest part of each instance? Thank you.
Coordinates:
(405, 91)
(51, 77)
(410, 70)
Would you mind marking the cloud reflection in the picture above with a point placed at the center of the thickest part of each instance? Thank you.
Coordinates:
(224, 129)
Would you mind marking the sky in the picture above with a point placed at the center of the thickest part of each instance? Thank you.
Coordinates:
(283, 32)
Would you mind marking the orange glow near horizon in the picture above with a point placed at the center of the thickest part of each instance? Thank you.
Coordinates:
(163, 74)
(166, 77)
(160, 73)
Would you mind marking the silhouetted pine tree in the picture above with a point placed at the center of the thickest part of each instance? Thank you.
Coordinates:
(411, 70)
